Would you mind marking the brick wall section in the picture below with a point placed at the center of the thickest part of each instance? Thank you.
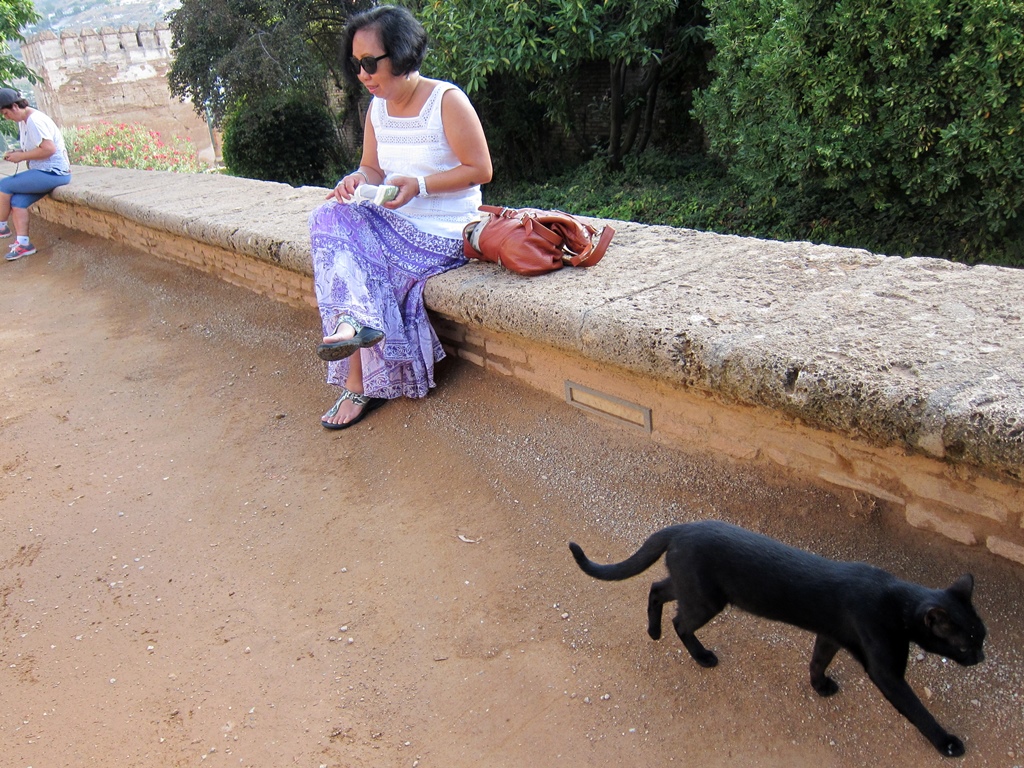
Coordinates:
(971, 505)
(961, 504)
(262, 277)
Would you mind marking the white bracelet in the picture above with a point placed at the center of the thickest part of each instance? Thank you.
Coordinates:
(422, 182)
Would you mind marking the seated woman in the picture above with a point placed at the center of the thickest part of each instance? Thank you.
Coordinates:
(370, 261)
(42, 149)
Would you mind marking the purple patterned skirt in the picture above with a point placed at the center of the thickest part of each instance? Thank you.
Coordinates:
(371, 263)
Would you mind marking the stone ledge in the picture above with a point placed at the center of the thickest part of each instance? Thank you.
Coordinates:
(901, 378)
(919, 353)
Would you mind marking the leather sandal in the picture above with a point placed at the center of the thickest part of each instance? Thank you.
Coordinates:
(339, 350)
(366, 402)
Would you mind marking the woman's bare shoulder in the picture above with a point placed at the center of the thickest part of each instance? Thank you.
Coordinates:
(454, 100)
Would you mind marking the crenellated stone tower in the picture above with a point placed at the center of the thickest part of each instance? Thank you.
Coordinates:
(117, 76)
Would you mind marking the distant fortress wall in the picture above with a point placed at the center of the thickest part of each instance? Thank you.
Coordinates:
(117, 76)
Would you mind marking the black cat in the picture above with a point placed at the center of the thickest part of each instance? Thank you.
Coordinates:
(855, 606)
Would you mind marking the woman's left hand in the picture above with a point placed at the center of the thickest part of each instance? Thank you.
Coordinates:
(13, 156)
(408, 188)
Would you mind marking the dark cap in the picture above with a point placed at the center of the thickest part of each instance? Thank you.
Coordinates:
(8, 96)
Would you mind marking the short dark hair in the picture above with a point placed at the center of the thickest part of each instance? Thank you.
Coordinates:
(403, 38)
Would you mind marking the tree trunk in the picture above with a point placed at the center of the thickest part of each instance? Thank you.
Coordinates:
(617, 111)
(652, 100)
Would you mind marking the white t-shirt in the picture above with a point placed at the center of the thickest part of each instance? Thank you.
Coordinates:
(36, 129)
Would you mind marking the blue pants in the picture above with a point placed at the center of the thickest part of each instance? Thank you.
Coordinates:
(29, 186)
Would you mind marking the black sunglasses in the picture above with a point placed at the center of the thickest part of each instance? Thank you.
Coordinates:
(368, 63)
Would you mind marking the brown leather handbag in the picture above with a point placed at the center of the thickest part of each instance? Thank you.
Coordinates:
(530, 241)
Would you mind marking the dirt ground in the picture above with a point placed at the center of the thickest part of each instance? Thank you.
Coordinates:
(194, 572)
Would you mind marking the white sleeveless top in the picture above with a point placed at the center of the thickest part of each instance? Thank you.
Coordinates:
(417, 146)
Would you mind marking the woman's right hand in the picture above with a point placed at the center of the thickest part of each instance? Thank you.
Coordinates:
(345, 188)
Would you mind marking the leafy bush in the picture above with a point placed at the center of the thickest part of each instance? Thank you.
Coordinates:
(9, 135)
(697, 193)
(907, 118)
(129, 145)
(652, 188)
(291, 140)
(552, 48)
(524, 144)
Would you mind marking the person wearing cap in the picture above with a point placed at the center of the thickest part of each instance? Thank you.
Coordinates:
(42, 150)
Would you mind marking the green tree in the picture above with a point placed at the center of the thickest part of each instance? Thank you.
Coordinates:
(234, 56)
(228, 50)
(910, 111)
(14, 16)
(256, 130)
(546, 43)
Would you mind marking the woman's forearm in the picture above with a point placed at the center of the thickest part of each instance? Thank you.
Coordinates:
(457, 179)
(44, 151)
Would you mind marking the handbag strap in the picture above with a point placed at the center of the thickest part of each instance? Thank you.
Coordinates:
(547, 233)
(528, 220)
(592, 255)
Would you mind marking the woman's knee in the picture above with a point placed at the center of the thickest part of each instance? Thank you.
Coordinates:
(329, 215)
(24, 200)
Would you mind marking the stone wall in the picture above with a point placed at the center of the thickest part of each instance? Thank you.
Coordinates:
(116, 76)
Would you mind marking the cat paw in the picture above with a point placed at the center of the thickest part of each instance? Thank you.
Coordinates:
(825, 687)
(951, 746)
(706, 659)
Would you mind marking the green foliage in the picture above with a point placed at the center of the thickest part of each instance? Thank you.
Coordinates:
(698, 193)
(14, 16)
(651, 188)
(539, 39)
(293, 141)
(226, 51)
(907, 118)
(130, 145)
(523, 145)
(9, 133)
(544, 43)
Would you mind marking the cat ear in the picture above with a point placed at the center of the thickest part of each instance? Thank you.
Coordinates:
(963, 587)
(937, 620)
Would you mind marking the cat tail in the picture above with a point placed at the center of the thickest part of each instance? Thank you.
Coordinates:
(648, 554)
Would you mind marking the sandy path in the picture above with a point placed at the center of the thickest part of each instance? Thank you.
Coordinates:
(193, 572)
